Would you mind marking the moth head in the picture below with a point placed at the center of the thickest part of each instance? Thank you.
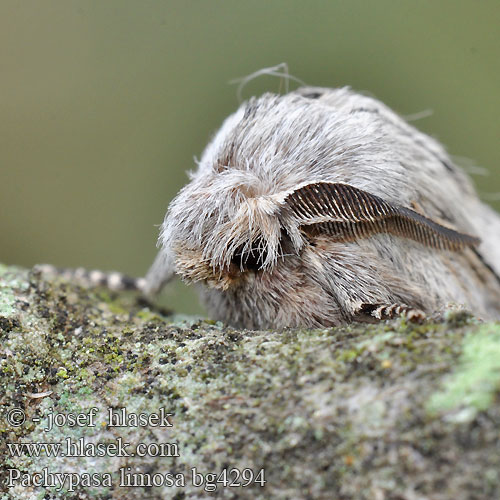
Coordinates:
(224, 230)
(250, 234)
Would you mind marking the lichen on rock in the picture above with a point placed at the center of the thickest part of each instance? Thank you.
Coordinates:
(391, 410)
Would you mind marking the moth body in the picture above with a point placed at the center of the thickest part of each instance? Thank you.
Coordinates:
(318, 207)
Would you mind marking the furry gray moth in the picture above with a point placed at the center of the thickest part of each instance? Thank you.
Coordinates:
(321, 207)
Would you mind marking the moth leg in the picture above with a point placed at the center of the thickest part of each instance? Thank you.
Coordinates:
(385, 311)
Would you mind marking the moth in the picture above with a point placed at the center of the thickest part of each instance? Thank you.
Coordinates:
(321, 207)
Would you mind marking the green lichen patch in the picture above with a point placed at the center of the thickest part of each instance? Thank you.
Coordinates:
(11, 282)
(327, 413)
(474, 384)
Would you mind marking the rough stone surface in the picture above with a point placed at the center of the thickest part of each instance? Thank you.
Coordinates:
(386, 411)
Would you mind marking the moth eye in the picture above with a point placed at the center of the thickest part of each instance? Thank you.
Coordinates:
(250, 260)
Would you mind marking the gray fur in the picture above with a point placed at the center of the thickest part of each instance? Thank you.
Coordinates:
(230, 229)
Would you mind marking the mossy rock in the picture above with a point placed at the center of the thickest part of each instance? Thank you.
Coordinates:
(386, 411)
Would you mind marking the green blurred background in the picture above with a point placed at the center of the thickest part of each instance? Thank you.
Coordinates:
(104, 104)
